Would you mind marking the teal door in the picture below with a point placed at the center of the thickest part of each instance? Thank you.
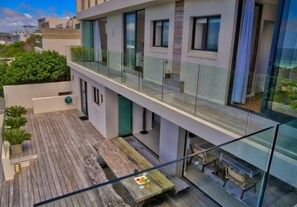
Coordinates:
(125, 116)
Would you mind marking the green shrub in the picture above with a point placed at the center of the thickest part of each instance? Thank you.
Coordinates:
(15, 122)
(16, 136)
(15, 111)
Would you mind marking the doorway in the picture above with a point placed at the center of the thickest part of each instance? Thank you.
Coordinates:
(84, 97)
(252, 89)
(125, 116)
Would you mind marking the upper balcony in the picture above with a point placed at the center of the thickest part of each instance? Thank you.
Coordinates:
(201, 93)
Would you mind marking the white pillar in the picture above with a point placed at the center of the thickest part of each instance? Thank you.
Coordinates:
(172, 139)
(112, 113)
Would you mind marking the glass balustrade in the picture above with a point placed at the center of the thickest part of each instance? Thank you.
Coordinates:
(200, 90)
(255, 170)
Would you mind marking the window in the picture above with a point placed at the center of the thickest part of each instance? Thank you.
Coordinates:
(206, 33)
(161, 29)
(96, 96)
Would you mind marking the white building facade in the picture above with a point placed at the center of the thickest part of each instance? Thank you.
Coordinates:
(183, 69)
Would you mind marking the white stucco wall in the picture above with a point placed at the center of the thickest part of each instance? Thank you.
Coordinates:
(23, 94)
(53, 103)
(115, 36)
(96, 113)
(172, 140)
(214, 66)
(103, 117)
(154, 56)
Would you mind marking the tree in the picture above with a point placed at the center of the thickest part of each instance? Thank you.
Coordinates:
(31, 67)
(12, 50)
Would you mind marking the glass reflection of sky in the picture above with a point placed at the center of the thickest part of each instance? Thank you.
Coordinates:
(290, 38)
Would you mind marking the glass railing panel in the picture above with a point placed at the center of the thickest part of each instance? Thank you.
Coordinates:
(282, 183)
(114, 66)
(75, 54)
(223, 172)
(130, 69)
(151, 77)
(284, 98)
(180, 90)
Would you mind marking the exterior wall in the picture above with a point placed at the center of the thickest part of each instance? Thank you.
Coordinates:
(115, 36)
(172, 140)
(153, 60)
(214, 66)
(53, 103)
(23, 94)
(96, 113)
(103, 117)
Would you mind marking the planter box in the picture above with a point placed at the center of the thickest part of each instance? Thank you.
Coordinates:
(16, 149)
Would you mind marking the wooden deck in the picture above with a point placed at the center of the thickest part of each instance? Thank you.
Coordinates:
(61, 140)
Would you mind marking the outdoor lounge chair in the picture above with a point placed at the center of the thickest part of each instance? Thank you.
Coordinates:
(240, 179)
(204, 158)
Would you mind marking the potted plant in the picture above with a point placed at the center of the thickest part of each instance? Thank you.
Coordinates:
(15, 111)
(16, 137)
(15, 122)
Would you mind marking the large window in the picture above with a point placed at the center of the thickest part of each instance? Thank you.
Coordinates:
(161, 29)
(206, 33)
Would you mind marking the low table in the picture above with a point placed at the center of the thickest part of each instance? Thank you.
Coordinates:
(123, 160)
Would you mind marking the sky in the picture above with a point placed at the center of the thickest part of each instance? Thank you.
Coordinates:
(16, 13)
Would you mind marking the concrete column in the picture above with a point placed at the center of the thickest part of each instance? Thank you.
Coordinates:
(112, 113)
(172, 139)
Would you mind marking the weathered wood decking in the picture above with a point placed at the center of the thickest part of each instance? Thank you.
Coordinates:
(61, 140)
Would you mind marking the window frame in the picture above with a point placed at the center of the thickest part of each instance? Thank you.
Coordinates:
(96, 94)
(206, 35)
(162, 29)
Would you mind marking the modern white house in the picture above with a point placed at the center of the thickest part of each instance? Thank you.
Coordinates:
(175, 73)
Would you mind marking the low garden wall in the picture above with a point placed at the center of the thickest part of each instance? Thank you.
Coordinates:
(23, 94)
(53, 103)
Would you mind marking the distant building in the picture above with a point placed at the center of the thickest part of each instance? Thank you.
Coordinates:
(49, 22)
(22, 35)
(5, 38)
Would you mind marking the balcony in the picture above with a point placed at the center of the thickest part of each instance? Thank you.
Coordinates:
(201, 91)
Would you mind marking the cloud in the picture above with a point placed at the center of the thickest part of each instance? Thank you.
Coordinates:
(11, 20)
(25, 14)
(28, 16)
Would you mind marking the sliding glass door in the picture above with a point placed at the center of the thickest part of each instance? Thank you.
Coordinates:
(133, 38)
(281, 89)
(130, 40)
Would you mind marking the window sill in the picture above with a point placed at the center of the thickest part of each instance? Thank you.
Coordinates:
(203, 54)
(163, 50)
